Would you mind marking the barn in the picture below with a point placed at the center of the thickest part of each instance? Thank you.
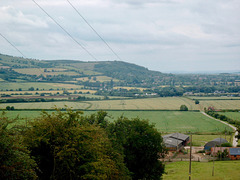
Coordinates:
(175, 141)
(214, 143)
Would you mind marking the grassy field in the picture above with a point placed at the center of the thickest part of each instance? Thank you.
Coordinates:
(201, 140)
(223, 170)
(165, 121)
(232, 115)
(25, 86)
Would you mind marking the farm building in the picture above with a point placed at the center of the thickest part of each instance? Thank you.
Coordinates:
(175, 141)
(234, 153)
(214, 143)
(215, 150)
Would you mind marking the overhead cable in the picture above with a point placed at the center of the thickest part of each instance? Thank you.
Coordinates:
(65, 31)
(94, 30)
(12, 45)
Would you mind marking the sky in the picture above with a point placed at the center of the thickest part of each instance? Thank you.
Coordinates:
(162, 35)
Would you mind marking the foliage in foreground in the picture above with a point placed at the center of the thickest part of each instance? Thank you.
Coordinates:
(66, 148)
(142, 146)
(68, 145)
(15, 161)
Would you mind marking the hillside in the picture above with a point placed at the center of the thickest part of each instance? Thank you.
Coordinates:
(107, 76)
(17, 68)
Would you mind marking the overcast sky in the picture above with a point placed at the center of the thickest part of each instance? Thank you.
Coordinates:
(162, 35)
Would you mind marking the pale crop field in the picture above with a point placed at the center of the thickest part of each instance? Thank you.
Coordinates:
(214, 98)
(221, 104)
(168, 103)
(163, 103)
(129, 88)
(47, 105)
(25, 86)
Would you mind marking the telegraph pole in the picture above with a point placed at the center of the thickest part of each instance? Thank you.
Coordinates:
(190, 162)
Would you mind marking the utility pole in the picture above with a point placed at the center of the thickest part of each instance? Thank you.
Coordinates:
(213, 161)
(190, 162)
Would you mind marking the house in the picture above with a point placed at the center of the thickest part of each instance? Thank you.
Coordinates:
(175, 141)
(234, 153)
(214, 143)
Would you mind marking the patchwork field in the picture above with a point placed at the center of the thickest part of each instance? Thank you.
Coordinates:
(165, 121)
(223, 170)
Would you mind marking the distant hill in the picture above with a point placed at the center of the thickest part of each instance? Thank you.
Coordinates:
(13, 68)
(102, 73)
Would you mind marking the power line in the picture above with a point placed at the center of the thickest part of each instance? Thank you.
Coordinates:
(94, 30)
(12, 45)
(65, 31)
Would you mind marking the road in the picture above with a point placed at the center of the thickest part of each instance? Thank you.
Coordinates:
(235, 140)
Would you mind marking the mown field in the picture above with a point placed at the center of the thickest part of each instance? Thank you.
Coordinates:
(165, 121)
(223, 170)
(232, 115)
(221, 104)
(25, 86)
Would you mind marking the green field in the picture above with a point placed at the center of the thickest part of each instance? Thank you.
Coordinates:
(201, 140)
(165, 121)
(223, 170)
(232, 115)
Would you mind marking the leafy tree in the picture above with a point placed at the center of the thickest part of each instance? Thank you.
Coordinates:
(31, 89)
(183, 108)
(8, 108)
(197, 101)
(141, 145)
(68, 147)
(15, 161)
